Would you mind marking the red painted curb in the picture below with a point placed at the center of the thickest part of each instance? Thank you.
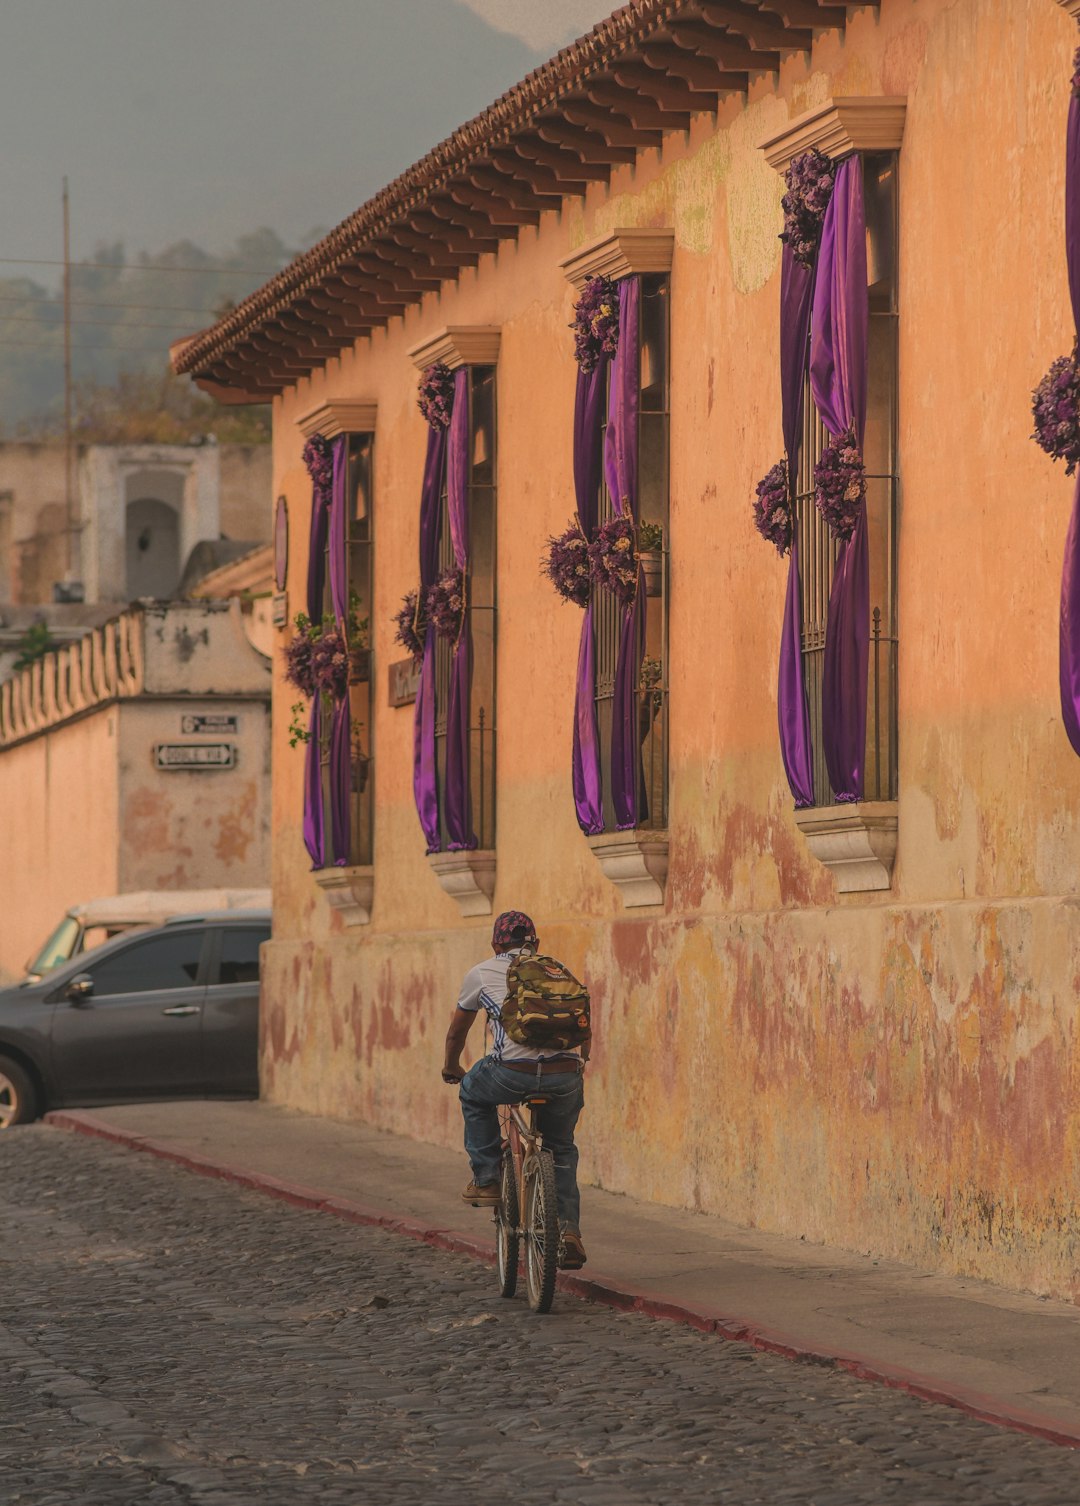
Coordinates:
(598, 1289)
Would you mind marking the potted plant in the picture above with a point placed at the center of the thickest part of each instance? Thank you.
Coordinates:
(651, 556)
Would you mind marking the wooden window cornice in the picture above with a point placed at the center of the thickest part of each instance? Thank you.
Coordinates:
(620, 254)
(851, 123)
(339, 416)
(458, 345)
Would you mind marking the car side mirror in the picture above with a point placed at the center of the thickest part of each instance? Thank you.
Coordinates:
(80, 988)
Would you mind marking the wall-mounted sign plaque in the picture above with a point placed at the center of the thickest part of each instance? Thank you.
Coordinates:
(192, 725)
(279, 609)
(404, 682)
(173, 756)
(281, 543)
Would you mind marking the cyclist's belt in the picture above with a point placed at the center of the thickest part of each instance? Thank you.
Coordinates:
(562, 1064)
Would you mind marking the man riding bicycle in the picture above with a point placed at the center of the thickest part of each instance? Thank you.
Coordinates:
(510, 1073)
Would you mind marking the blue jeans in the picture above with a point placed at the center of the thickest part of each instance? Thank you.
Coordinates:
(488, 1084)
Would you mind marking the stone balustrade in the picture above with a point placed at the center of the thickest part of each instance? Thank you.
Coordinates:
(105, 665)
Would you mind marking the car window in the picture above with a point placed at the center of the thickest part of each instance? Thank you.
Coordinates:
(170, 961)
(240, 955)
(59, 947)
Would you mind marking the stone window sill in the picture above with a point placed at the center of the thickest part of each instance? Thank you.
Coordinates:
(468, 878)
(857, 843)
(350, 891)
(636, 862)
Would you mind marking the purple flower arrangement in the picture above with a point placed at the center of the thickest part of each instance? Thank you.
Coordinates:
(613, 559)
(772, 508)
(596, 322)
(411, 625)
(1055, 407)
(810, 180)
(317, 658)
(436, 395)
(319, 459)
(566, 564)
(446, 604)
(840, 484)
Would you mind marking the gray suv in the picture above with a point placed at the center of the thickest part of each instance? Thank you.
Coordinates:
(167, 1012)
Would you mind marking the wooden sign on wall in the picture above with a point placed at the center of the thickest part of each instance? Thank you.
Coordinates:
(404, 682)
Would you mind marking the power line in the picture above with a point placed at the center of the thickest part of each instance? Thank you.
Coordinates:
(137, 266)
(94, 303)
(98, 323)
(117, 350)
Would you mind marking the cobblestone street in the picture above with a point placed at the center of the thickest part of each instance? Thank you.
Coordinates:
(169, 1339)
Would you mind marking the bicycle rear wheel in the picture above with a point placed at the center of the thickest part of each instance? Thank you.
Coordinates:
(541, 1231)
(507, 1228)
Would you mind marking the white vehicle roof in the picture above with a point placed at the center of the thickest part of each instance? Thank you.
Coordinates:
(152, 906)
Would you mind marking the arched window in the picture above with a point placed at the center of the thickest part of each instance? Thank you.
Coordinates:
(152, 549)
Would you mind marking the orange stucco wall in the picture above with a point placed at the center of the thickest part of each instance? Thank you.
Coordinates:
(897, 1071)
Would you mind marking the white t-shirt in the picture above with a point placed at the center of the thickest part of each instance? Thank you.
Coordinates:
(485, 988)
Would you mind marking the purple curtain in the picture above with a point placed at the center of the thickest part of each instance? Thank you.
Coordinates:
(1069, 639)
(620, 468)
(588, 414)
(340, 739)
(793, 714)
(425, 779)
(838, 379)
(314, 825)
(458, 794)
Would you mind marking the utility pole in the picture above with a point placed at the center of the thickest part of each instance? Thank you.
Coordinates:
(69, 490)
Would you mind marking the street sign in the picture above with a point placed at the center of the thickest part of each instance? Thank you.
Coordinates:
(404, 682)
(194, 725)
(200, 756)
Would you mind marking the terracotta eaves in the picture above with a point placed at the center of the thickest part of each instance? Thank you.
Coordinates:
(1072, 6)
(643, 72)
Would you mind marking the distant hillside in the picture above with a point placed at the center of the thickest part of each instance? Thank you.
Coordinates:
(126, 311)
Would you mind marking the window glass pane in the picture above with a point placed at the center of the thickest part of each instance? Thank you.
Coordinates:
(653, 334)
(170, 961)
(483, 426)
(58, 948)
(240, 955)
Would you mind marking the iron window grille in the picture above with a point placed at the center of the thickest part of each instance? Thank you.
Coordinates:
(480, 610)
(653, 507)
(817, 548)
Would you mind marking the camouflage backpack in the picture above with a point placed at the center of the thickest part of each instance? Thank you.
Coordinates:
(545, 1007)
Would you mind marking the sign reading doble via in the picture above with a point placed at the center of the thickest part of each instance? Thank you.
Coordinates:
(172, 756)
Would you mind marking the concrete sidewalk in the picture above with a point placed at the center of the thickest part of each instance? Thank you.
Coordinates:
(1001, 1356)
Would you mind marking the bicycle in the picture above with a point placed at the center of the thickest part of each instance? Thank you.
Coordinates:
(527, 1205)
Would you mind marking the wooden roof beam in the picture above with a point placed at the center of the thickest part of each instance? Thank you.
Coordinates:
(434, 250)
(514, 190)
(455, 236)
(539, 177)
(304, 337)
(730, 53)
(755, 27)
(382, 281)
(586, 143)
(644, 113)
(232, 373)
(562, 162)
(701, 74)
(391, 259)
(821, 16)
(449, 212)
(279, 360)
(498, 212)
(615, 132)
(346, 315)
(670, 92)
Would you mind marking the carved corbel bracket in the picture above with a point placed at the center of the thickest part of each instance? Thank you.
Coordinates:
(636, 862)
(458, 345)
(350, 891)
(848, 123)
(620, 254)
(468, 878)
(857, 843)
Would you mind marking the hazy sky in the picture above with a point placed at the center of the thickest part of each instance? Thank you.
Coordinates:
(204, 119)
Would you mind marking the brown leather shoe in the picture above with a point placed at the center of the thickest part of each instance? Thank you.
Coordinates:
(571, 1251)
(481, 1197)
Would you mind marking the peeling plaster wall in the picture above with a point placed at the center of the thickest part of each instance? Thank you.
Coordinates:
(894, 1072)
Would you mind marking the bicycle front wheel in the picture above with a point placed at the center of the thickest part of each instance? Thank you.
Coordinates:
(507, 1229)
(541, 1231)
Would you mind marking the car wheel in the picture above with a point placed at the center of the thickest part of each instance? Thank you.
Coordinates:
(18, 1100)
